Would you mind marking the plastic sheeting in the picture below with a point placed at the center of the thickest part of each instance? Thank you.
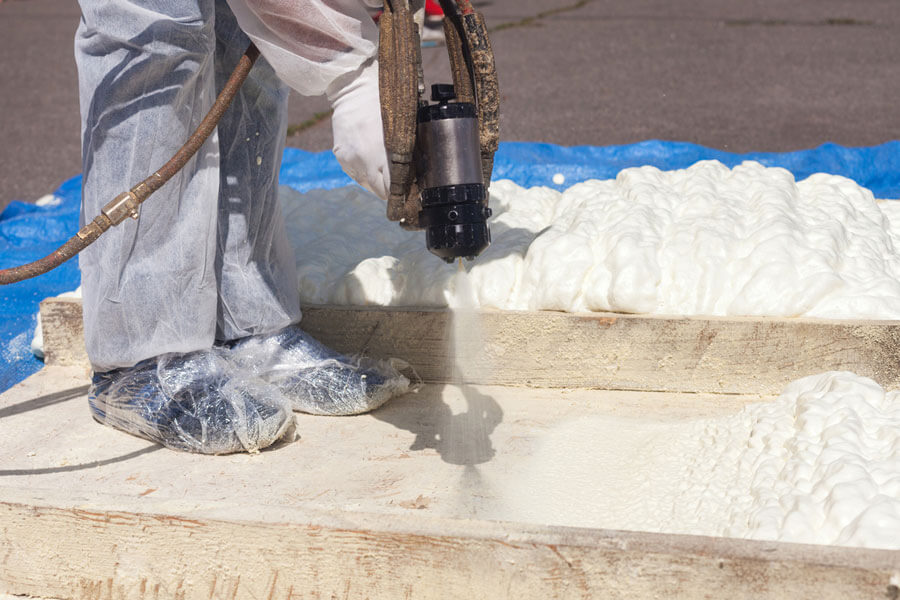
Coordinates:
(28, 232)
(314, 378)
(199, 402)
(530, 164)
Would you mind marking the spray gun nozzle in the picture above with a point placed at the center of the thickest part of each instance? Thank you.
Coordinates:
(454, 197)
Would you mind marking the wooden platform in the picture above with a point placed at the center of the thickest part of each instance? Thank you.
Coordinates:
(402, 503)
(750, 355)
(410, 501)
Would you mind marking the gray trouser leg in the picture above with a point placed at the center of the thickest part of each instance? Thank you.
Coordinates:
(147, 76)
(258, 275)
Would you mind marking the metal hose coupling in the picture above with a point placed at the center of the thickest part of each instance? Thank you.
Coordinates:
(120, 208)
(127, 204)
(123, 206)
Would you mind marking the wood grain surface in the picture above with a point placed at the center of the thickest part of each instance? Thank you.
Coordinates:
(727, 355)
(104, 552)
(749, 355)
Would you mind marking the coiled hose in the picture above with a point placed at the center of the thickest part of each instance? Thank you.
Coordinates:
(127, 204)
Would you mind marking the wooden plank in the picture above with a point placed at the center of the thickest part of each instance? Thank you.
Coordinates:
(376, 506)
(749, 355)
(628, 352)
(102, 552)
(63, 330)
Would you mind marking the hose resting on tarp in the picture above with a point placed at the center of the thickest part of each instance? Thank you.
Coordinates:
(127, 204)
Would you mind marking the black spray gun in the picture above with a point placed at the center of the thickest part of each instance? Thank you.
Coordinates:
(451, 143)
(454, 199)
(441, 154)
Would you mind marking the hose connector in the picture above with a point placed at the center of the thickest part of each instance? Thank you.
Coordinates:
(127, 204)
(122, 206)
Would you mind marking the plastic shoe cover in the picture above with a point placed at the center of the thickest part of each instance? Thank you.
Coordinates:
(315, 378)
(194, 402)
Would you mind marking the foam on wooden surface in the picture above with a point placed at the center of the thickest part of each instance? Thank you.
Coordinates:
(398, 503)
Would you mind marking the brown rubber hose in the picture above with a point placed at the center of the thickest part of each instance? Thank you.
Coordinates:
(127, 203)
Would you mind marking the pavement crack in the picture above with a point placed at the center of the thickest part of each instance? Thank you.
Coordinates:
(535, 19)
(829, 22)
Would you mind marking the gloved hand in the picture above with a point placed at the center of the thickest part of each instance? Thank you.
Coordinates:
(356, 126)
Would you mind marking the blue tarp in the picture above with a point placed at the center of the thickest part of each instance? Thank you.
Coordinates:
(28, 232)
(530, 164)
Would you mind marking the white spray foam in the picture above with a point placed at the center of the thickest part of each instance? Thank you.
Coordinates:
(48, 200)
(821, 465)
(706, 240)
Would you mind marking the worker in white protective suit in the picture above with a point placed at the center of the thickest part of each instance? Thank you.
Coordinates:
(190, 311)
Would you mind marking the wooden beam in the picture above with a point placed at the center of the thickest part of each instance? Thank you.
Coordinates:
(100, 551)
(63, 331)
(749, 355)
(734, 355)
(351, 510)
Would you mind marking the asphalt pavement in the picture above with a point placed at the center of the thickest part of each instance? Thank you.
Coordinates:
(739, 75)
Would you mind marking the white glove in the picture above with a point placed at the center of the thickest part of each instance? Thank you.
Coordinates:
(356, 126)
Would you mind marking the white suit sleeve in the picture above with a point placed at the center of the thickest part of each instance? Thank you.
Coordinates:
(310, 43)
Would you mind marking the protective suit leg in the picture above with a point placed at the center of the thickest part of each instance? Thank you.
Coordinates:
(146, 80)
(255, 262)
(147, 76)
(258, 273)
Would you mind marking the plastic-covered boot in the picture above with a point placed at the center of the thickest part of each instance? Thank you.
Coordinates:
(195, 402)
(315, 378)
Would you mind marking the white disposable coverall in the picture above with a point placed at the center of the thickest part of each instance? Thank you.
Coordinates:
(208, 259)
